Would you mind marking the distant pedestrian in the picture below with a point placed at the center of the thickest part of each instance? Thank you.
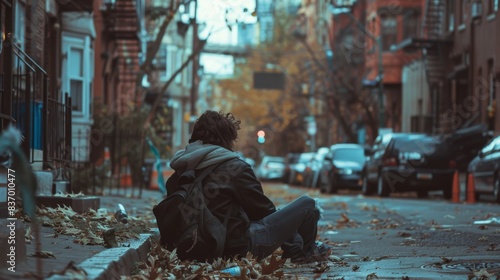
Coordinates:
(253, 224)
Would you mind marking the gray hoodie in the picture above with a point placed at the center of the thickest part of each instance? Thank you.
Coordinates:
(197, 155)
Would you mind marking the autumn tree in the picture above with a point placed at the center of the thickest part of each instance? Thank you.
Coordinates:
(280, 113)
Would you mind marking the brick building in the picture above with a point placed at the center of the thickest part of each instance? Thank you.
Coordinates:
(391, 22)
(460, 42)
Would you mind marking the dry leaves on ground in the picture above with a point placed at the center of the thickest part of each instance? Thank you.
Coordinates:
(88, 228)
(163, 264)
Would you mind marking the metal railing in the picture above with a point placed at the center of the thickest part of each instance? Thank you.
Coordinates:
(44, 120)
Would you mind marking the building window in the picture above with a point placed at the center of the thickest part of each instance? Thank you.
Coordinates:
(161, 62)
(410, 23)
(491, 81)
(178, 63)
(389, 32)
(170, 61)
(450, 12)
(20, 23)
(492, 6)
(462, 11)
(19, 37)
(77, 73)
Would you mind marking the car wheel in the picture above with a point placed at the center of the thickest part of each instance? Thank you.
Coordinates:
(332, 185)
(308, 181)
(496, 189)
(382, 187)
(448, 193)
(422, 194)
(315, 180)
(323, 187)
(366, 188)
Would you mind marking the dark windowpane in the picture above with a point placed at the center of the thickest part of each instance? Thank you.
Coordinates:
(76, 93)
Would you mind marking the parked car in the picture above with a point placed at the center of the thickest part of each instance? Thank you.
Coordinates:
(485, 168)
(419, 162)
(465, 143)
(314, 167)
(373, 163)
(416, 163)
(270, 168)
(290, 159)
(296, 170)
(250, 161)
(342, 168)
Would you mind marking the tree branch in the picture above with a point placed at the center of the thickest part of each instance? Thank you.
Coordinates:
(172, 78)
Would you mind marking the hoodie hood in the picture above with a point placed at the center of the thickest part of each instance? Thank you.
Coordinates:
(197, 155)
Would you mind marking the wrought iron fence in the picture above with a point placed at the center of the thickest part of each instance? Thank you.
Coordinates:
(117, 173)
(43, 119)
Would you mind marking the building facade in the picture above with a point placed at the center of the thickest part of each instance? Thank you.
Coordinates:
(459, 50)
(390, 22)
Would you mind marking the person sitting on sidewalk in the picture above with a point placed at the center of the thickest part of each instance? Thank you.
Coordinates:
(257, 226)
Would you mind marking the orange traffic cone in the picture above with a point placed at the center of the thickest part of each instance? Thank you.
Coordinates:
(455, 191)
(471, 194)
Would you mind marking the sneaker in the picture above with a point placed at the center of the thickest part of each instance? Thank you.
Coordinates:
(318, 253)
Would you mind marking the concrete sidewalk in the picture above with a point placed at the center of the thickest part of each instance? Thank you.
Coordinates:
(97, 261)
(394, 259)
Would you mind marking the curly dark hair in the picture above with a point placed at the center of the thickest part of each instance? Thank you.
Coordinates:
(216, 128)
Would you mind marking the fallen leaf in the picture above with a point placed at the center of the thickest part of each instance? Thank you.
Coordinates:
(446, 260)
(404, 234)
(483, 238)
(43, 254)
(482, 274)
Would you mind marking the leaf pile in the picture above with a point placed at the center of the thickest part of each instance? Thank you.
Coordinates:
(88, 228)
(163, 264)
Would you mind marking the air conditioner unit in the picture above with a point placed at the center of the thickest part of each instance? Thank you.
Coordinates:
(476, 9)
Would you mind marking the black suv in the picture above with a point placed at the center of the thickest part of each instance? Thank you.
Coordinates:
(416, 163)
(374, 160)
(421, 163)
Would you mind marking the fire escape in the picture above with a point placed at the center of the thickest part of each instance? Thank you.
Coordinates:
(123, 47)
(432, 42)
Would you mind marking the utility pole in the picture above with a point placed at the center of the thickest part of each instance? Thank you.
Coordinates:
(195, 62)
(381, 119)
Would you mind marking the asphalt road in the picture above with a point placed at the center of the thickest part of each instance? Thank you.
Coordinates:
(400, 236)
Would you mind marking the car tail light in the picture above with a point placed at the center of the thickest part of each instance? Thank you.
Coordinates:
(452, 164)
(390, 162)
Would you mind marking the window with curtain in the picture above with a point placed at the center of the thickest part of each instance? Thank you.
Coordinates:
(411, 23)
(462, 11)
(450, 14)
(76, 78)
(389, 32)
(492, 6)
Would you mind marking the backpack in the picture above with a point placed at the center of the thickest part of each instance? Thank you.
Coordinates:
(185, 222)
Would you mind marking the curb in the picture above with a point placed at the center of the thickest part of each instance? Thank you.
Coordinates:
(115, 262)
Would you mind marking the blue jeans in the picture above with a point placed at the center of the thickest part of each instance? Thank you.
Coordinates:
(293, 228)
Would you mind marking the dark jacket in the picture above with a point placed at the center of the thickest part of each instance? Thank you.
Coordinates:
(232, 186)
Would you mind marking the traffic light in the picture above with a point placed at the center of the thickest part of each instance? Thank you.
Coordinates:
(261, 137)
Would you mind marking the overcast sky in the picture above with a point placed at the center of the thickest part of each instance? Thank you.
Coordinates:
(213, 13)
